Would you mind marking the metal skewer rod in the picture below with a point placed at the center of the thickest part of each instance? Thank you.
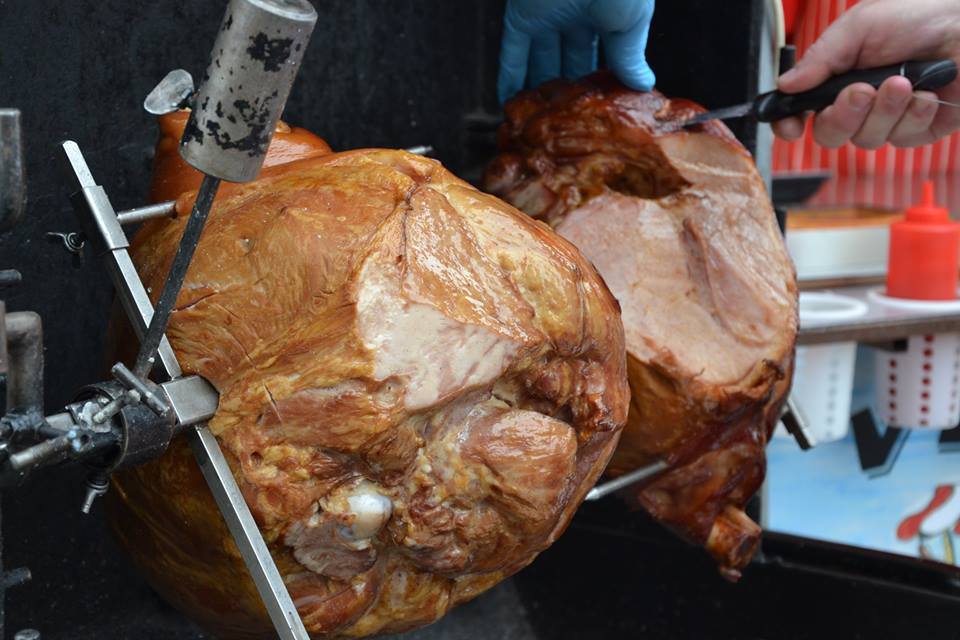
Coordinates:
(216, 471)
(166, 209)
(605, 489)
(178, 271)
(792, 416)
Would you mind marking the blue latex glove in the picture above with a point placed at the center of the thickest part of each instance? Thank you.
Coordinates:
(546, 39)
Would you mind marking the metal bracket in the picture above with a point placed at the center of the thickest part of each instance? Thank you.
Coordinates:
(96, 214)
(796, 423)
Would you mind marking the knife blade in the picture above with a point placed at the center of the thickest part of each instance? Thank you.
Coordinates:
(775, 105)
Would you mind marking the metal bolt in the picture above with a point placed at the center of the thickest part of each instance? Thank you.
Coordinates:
(97, 485)
(40, 454)
(138, 389)
(79, 440)
(114, 406)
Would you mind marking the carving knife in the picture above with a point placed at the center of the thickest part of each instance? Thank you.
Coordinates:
(775, 105)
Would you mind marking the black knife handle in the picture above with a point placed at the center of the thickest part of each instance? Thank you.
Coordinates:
(925, 76)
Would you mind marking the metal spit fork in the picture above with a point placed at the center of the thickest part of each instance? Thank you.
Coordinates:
(254, 62)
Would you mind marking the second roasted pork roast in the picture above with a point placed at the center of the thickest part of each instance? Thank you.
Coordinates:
(418, 384)
(680, 226)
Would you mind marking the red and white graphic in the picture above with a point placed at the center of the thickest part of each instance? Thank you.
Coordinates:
(935, 526)
(917, 388)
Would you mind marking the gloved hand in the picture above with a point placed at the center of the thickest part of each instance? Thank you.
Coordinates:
(546, 39)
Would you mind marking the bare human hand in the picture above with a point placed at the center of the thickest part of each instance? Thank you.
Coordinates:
(876, 33)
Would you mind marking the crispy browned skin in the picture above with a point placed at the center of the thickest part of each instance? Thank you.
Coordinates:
(680, 226)
(418, 386)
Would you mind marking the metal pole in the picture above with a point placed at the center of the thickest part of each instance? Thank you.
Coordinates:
(166, 209)
(605, 489)
(24, 331)
(178, 271)
(243, 528)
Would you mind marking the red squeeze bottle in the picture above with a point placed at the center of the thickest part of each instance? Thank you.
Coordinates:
(924, 253)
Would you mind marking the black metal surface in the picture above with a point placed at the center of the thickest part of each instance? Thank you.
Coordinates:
(708, 52)
(926, 579)
(377, 73)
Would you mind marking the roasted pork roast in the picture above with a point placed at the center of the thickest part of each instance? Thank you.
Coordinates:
(680, 226)
(418, 385)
